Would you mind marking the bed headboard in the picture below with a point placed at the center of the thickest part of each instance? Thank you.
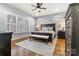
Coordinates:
(48, 25)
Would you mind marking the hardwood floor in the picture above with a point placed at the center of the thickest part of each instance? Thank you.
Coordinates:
(20, 51)
(60, 48)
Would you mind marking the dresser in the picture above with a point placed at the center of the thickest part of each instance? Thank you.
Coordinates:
(5, 43)
(72, 30)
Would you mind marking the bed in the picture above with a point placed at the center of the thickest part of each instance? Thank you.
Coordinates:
(43, 35)
(47, 32)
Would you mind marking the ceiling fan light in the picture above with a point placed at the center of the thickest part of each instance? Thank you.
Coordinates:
(38, 9)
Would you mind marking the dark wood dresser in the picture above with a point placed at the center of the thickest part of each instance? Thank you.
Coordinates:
(5, 43)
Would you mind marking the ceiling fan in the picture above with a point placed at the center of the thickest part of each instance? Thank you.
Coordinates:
(38, 7)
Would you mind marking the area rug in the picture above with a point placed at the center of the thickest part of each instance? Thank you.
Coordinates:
(37, 47)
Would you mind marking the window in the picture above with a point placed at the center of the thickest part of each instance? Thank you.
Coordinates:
(17, 23)
(20, 24)
(11, 23)
(26, 25)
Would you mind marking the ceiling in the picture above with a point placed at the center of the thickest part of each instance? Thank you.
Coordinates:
(52, 8)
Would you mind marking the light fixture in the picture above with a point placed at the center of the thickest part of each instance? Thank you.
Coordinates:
(38, 9)
(56, 9)
(37, 12)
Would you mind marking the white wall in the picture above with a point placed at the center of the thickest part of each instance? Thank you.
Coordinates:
(57, 19)
(6, 8)
(61, 24)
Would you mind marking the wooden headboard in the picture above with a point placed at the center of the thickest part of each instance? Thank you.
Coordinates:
(49, 25)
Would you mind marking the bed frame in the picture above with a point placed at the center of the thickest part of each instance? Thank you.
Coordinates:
(42, 34)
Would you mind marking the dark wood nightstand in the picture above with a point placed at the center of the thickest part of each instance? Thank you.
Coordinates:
(61, 34)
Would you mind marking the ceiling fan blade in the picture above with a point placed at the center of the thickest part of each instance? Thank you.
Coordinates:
(33, 5)
(41, 4)
(33, 9)
(42, 8)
